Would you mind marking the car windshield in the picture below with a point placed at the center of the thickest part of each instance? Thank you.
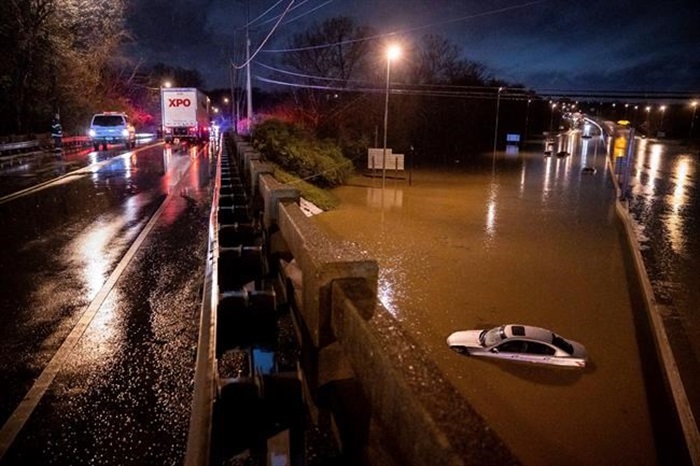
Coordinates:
(108, 120)
(493, 336)
(560, 343)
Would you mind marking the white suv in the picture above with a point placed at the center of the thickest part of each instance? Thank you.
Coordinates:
(111, 127)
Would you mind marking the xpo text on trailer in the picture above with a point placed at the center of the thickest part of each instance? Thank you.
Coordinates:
(185, 113)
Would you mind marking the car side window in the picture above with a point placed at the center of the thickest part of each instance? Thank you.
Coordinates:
(539, 348)
(513, 346)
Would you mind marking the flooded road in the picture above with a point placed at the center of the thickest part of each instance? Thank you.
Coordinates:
(101, 271)
(520, 238)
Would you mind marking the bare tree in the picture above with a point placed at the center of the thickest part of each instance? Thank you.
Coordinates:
(439, 61)
(54, 57)
(334, 49)
(327, 56)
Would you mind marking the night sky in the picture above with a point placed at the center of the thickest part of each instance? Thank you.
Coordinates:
(603, 45)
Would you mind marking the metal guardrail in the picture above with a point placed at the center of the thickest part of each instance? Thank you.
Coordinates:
(10, 150)
(18, 146)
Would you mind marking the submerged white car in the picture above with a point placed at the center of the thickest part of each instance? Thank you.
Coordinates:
(520, 343)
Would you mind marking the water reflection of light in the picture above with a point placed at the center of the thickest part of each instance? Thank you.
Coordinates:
(129, 163)
(194, 173)
(584, 153)
(558, 167)
(523, 172)
(678, 200)
(379, 198)
(571, 141)
(386, 295)
(491, 211)
(546, 180)
(167, 155)
(654, 163)
(90, 250)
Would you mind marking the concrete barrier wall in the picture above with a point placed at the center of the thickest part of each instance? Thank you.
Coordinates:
(429, 422)
(347, 335)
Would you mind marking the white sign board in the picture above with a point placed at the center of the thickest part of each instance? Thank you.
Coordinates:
(375, 159)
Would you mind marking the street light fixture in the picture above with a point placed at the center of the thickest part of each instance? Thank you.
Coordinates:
(392, 53)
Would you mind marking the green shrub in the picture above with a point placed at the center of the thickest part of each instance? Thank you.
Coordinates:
(299, 152)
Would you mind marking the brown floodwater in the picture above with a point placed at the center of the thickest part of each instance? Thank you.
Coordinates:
(519, 238)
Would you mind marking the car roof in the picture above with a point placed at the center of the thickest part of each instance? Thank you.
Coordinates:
(529, 332)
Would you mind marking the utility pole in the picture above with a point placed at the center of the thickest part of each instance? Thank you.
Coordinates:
(247, 57)
(234, 120)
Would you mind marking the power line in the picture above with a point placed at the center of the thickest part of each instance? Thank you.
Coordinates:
(404, 31)
(274, 28)
(250, 23)
(485, 92)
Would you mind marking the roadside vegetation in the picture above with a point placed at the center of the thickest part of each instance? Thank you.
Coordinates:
(321, 198)
(311, 164)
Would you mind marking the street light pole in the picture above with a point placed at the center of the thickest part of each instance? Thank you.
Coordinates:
(391, 53)
(527, 116)
(648, 123)
(495, 130)
(663, 112)
(692, 119)
(551, 118)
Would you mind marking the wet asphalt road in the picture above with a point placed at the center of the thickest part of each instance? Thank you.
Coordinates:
(665, 204)
(122, 387)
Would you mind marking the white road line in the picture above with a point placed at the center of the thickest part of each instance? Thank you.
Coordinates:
(21, 414)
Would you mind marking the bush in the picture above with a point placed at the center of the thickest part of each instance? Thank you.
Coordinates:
(297, 151)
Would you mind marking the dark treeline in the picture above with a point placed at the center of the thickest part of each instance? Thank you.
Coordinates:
(441, 104)
(67, 57)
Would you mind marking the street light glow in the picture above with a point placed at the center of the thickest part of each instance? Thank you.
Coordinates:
(167, 84)
(393, 52)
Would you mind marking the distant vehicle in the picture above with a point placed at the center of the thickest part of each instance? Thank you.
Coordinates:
(562, 153)
(520, 343)
(185, 114)
(111, 128)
